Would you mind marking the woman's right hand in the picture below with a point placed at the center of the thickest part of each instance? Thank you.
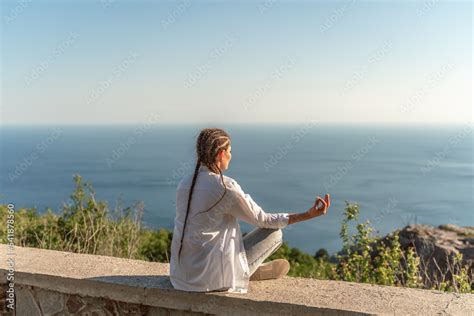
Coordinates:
(320, 206)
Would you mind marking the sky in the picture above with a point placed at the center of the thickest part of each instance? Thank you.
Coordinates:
(128, 62)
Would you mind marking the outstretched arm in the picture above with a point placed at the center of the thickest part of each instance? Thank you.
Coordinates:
(319, 208)
(242, 206)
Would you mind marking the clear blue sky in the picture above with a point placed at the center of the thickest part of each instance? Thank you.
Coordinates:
(108, 61)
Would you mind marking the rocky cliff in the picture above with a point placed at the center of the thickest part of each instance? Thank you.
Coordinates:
(437, 247)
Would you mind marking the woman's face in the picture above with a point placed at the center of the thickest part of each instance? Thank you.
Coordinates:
(224, 158)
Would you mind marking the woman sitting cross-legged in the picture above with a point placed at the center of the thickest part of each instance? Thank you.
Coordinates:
(208, 252)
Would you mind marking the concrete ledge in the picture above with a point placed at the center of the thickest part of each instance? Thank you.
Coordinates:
(146, 284)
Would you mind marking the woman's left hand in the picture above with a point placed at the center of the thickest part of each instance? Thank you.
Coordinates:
(320, 206)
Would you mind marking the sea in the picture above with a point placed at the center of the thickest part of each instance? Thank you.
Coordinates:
(397, 174)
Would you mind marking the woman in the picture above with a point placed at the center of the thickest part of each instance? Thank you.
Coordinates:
(208, 252)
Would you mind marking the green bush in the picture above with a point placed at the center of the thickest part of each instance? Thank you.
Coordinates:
(89, 226)
(366, 259)
(155, 245)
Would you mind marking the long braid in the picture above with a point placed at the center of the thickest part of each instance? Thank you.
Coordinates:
(225, 191)
(196, 171)
(210, 141)
(216, 150)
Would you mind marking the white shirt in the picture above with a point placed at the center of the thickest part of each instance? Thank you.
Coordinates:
(213, 255)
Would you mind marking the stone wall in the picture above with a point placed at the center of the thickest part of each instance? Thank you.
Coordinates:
(61, 283)
(34, 301)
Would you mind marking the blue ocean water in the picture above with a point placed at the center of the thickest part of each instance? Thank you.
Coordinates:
(398, 175)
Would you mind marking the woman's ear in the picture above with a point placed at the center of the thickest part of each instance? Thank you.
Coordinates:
(219, 155)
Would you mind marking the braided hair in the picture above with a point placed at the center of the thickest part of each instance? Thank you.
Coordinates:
(209, 143)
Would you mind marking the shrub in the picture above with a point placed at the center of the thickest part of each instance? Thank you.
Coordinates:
(367, 259)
